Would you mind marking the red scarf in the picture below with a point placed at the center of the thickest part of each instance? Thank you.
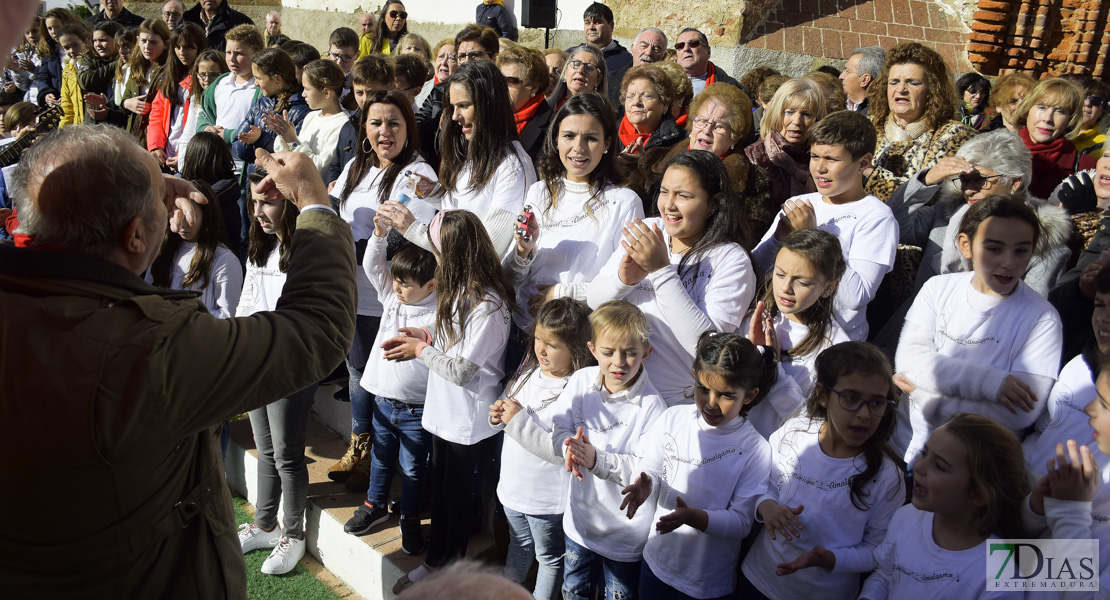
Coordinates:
(1052, 163)
(629, 135)
(21, 240)
(712, 71)
(681, 120)
(527, 111)
(435, 80)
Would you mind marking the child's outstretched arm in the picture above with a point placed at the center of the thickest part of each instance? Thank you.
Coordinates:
(374, 263)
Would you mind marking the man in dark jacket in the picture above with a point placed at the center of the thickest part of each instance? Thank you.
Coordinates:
(216, 17)
(493, 14)
(133, 377)
(597, 25)
(113, 10)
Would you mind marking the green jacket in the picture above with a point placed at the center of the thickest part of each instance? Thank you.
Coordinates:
(208, 110)
(110, 391)
(95, 78)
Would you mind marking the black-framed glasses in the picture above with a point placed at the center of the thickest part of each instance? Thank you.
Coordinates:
(341, 57)
(475, 55)
(974, 181)
(172, 15)
(1096, 100)
(582, 65)
(393, 14)
(692, 43)
(206, 75)
(852, 401)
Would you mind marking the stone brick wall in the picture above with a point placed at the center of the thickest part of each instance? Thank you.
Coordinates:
(831, 29)
(1044, 37)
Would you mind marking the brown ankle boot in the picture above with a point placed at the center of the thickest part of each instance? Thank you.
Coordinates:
(359, 479)
(360, 447)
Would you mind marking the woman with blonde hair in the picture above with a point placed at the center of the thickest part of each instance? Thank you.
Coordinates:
(783, 147)
(1050, 116)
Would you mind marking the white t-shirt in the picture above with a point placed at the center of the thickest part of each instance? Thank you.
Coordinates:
(1064, 417)
(802, 474)
(712, 293)
(319, 138)
(617, 425)
(359, 211)
(573, 242)
(407, 380)
(911, 565)
(868, 234)
(529, 484)
(177, 123)
(498, 202)
(262, 285)
(233, 101)
(996, 336)
(721, 470)
(225, 280)
(460, 414)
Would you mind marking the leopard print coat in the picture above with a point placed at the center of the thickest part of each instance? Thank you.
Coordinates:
(896, 162)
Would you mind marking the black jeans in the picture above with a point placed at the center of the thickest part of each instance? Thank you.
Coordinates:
(454, 512)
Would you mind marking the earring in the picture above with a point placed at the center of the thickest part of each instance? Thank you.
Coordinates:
(606, 152)
(370, 150)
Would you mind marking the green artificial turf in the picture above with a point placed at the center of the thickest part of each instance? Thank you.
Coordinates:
(298, 584)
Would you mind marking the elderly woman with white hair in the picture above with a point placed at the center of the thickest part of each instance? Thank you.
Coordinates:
(989, 164)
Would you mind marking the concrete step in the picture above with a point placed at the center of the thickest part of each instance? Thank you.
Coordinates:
(368, 564)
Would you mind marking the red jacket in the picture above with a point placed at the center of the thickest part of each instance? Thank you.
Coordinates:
(161, 116)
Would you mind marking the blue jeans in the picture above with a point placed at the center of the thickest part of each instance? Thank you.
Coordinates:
(362, 401)
(397, 430)
(279, 435)
(585, 570)
(536, 537)
(653, 588)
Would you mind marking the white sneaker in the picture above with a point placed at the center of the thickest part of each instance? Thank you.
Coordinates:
(287, 553)
(252, 537)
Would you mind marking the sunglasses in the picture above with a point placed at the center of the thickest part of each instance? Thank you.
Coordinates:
(1096, 100)
(393, 14)
(692, 43)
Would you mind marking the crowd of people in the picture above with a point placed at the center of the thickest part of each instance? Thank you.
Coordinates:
(768, 337)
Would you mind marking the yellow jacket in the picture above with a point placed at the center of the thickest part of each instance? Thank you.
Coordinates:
(73, 100)
(365, 44)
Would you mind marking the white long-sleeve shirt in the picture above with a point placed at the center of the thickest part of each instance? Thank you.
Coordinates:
(616, 424)
(575, 239)
(531, 484)
(465, 378)
(497, 203)
(868, 234)
(912, 565)
(959, 345)
(319, 136)
(225, 280)
(359, 210)
(802, 474)
(712, 293)
(406, 381)
(722, 470)
(1063, 418)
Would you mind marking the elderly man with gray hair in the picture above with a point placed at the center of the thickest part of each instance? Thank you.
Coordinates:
(650, 46)
(133, 377)
(864, 66)
(172, 13)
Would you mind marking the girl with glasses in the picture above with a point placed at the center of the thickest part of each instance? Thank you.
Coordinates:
(835, 482)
